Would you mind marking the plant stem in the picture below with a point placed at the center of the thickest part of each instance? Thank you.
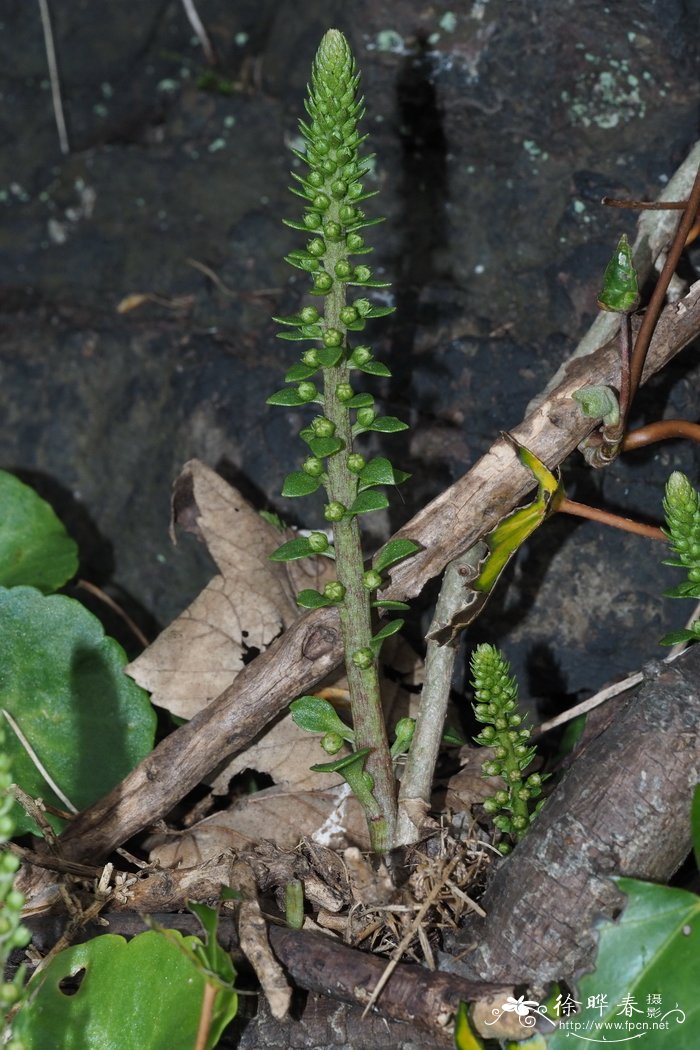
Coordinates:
(662, 430)
(355, 610)
(604, 517)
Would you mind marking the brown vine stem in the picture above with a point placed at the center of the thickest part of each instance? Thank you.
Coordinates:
(645, 333)
(604, 517)
(663, 430)
(615, 202)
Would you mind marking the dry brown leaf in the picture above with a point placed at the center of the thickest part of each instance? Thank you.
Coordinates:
(247, 606)
(469, 787)
(332, 817)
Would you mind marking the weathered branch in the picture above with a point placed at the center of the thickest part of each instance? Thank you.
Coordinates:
(307, 652)
(623, 808)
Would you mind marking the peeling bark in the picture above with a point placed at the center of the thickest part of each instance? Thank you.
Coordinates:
(623, 808)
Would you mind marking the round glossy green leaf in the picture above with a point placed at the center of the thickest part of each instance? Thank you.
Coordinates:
(288, 398)
(388, 425)
(393, 551)
(310, 599)
(35, 549)
(299, 548)
(62, 681)
(299, 484)
(367, 501)
(144, 994)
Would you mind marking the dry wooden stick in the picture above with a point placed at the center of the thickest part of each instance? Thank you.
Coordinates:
(311, 648)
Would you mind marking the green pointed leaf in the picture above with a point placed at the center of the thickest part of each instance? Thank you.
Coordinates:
(35, 549)
(299, 372)
(374, 368)
(143, 994)
(651, 950)
(360, 401)
(340, 765)
(300, 484)
(387, 425)
(393, 551)
(290, 319)
(386, 603)
(216, 962)
(294, 225)
(293, 549)
(310, 599)
(365, 223)
(369, 283)
(316, 715)
(380, 311)
(379, 471)
(288, 398)
(322, 447)
(392, 627)
(302, 336)
(688, 589)
(620, 292)
(367, 501)
(678, 637)
(330, 355)
(303, 261)
(63, 683)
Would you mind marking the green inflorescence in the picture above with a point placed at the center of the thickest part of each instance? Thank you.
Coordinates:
(325, 380)
(682, 510)
(12, 933)
(496, 706)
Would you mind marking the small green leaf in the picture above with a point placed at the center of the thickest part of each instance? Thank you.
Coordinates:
(330, 355)
(678, 637)
(387, 425)
(452, 736)
(380, 311)
(310, 599)
(309, 332)
(299, 372)
(379, 471)
(35, 549)
(687, 589)
(303, 261)
(386, 603)
(322, 447)
(360, 401)
(367, 501)
(393, 551)
(63, 683)
(370, 283)
(339, 765)
(299, 484)
(316, 715)
(365, 223)
(392, 627)
(288, 398)
(144, 994)
(620, 292)
(374, 368)
(215, 961)
(299, 548)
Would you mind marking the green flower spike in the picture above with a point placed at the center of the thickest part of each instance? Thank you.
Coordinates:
(620, 291)
(682, 509)
(496, 707)
(330, 186)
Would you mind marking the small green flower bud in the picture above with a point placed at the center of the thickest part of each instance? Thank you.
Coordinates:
(318, 541)
(343, 269)
(329, 166)
(344, 155)
(371, 580)
(334, 511)
(502, 798)
(491, 806)
(366, 416)
(487, 734)
(348, 214)
(354, 190)
(524, 734)
(519, 823)
(332, 337)
(520, 749)
(323, 282)
(312, 220)
(7, 827)
(339, 188)
(316, 247)
(334, 590)
(354, 243)
(307, 390)
(313, 466)
(332, 743)
(514, 776)
(500, 723)
(322, 427)
(321, 202)
(515, 720)
(333, 231)
(349, 315)
(21, 937)
(362, 273)
(524, 794)
(356, 462)
(311, 358)
(503, 823)
(309, 314)
(363, 658)
(361, 355)
(491, 769)
(8, 863)
(504, 848)
(9, 993)
(315, 179)
(500, 752)
(321, 146)
(344, 392)
(534, 781)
